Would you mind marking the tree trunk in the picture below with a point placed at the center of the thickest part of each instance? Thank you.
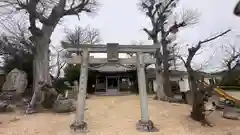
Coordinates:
(198, 107)
(41, 63)
(58, 73)
(160, 94)
(198, 103)
(166, 78)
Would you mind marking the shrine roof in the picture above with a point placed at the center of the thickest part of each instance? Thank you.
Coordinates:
(112, 67)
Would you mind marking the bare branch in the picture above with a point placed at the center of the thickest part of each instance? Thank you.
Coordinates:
(83, 36)
(60, 62)
(149, 33)
(234, 57)
(166, 7)
(49, 12)
(181, 58)
(206, 62)
(188, 17)
(192, 51)
(73, 3)
(16, 36)
(83, 5)
(215, 37)
(157, 11)
(7, 3)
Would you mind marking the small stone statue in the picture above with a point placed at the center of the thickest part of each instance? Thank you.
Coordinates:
(75, 86)
(75, 90)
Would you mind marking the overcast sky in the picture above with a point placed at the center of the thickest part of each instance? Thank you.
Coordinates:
(120, 21)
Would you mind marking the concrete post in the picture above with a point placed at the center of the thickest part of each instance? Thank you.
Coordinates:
(142, 88)
(79, 123)
(144, 124)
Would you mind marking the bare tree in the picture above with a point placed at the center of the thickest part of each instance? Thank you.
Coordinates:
(173, 52)
(198, 95)
(59, 62)
(16, 34)
(48, 13)
(233, 56)
(159, 12)
(14, 42)
(77, 36)
(82, 35)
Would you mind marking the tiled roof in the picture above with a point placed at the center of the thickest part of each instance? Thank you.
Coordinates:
(174, 73)
(112, 68)
(151, 73)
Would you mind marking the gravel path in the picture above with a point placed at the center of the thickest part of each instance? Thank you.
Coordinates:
(117, 116)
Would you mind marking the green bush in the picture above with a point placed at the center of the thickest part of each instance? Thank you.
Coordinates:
(231, 79)
(60, 86)
(72, 73)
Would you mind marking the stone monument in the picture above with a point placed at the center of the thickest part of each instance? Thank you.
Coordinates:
(16, 80)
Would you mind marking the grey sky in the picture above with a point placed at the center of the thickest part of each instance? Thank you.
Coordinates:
(121, 21)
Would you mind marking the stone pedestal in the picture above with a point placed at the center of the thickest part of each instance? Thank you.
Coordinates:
(79, 127)
(146, 126)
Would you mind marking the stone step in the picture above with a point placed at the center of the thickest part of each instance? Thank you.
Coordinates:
(111, 93)
(72, 94)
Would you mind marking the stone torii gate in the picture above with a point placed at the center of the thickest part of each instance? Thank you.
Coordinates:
(112, 50)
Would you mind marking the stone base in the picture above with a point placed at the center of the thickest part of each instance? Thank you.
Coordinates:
(30, 110)
(5, 107)
(155, 98)
(146, 126)
(230, 113)
(163, 98)
(64, 106)
(81, 128)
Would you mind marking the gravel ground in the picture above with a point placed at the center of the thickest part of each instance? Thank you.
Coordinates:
(118, 116)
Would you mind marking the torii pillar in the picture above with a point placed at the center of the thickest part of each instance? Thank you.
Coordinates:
(79, 124)
(143, 125)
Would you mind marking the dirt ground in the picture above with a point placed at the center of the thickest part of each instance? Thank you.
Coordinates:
(109, 115)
